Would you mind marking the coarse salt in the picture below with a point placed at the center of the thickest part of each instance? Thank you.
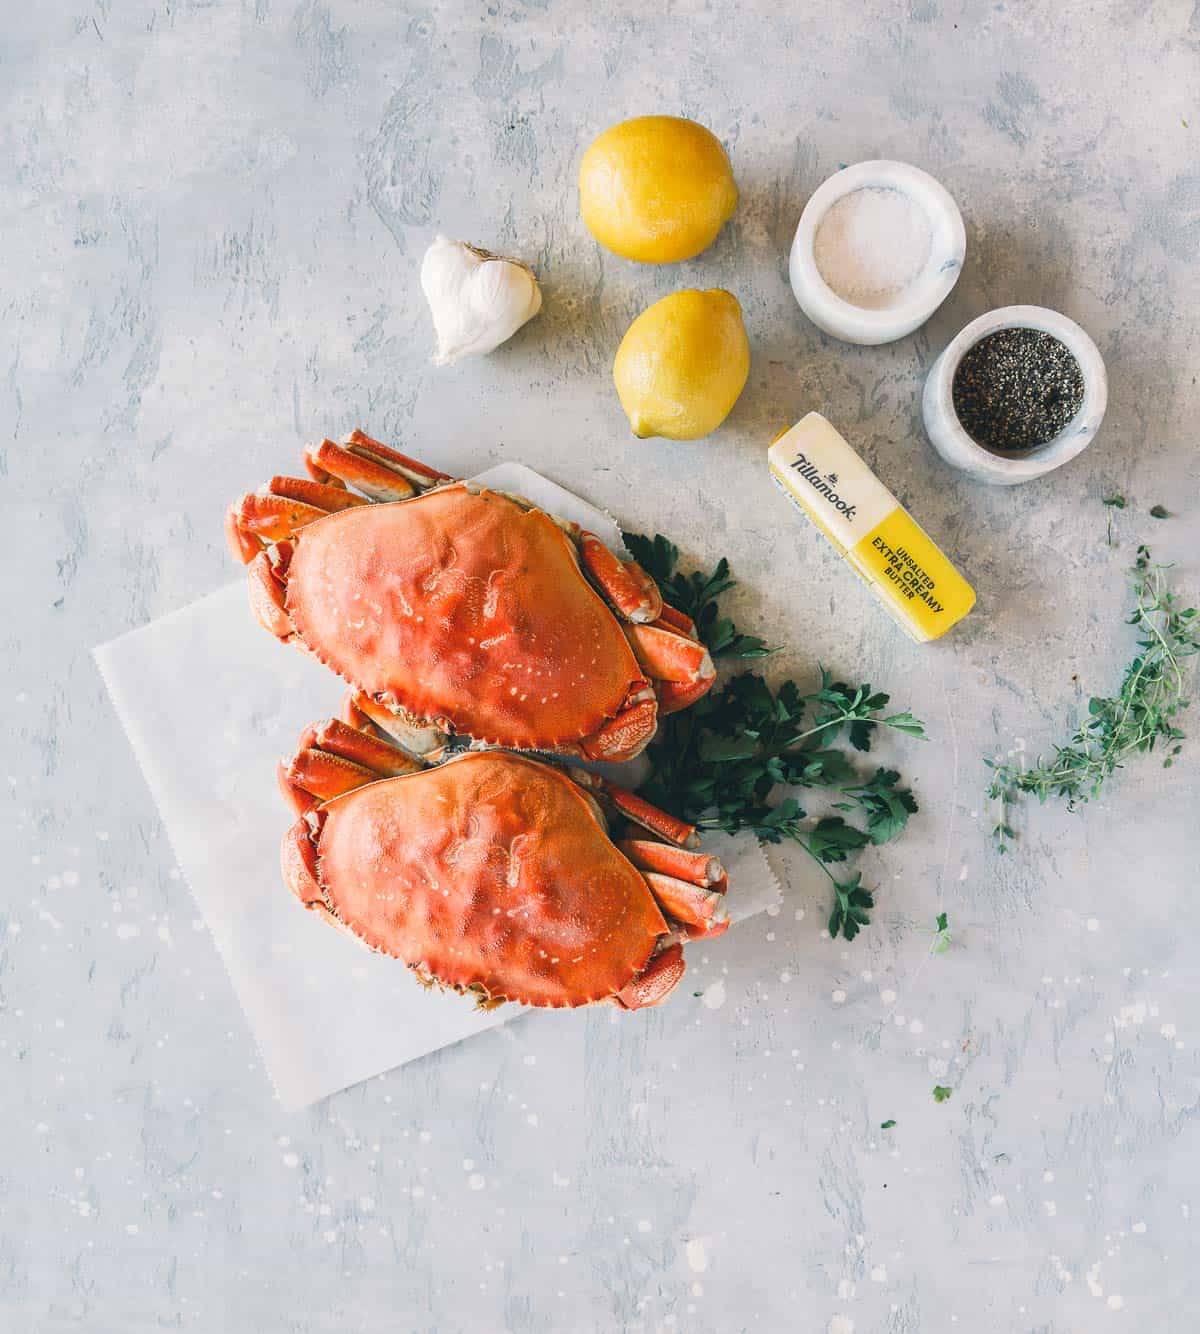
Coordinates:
(872, 245)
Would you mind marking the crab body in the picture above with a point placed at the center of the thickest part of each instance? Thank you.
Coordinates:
(493, 873)
(461, 610)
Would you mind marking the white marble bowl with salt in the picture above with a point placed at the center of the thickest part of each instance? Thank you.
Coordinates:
(878, 248)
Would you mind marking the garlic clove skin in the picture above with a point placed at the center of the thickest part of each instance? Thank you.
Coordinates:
(478, 300)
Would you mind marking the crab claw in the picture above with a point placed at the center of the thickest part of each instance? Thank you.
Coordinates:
(267, 575)
(655, 982)
(630, 732)
(298, 862)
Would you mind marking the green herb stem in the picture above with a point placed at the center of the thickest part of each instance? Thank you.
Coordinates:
(1153, 693)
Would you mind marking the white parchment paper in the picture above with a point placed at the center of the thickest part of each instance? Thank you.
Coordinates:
(210, 702)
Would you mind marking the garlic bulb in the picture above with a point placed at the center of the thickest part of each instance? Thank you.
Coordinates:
(478, 300)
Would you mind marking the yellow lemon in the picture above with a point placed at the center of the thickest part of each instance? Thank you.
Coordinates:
(682, 364)
(656, 189)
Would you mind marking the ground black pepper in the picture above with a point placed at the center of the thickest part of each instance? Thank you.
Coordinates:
(1016, 389)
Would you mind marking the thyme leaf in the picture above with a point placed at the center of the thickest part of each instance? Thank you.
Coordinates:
(1142, 715)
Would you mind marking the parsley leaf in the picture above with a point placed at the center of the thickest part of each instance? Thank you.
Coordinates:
(722, 762)
(886, 1125)
(941, 1093)
(696, 595)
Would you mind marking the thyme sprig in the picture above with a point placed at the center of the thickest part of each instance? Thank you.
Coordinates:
(722, 762)
(1139, 717)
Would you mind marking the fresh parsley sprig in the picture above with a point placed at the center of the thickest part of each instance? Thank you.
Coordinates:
(1140, 716)
(696, 594)
(722, 762)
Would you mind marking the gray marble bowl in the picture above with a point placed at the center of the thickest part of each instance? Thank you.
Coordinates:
(1007, 468)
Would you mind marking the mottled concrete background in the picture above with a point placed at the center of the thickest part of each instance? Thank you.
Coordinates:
(212, 216)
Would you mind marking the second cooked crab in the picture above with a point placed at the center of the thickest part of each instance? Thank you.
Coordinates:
(459, 610)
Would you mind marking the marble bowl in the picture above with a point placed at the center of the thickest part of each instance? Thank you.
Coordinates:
(952, 442)
(859, 324)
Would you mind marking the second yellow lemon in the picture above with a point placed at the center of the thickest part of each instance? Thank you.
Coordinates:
(656, 189)
(682, 364)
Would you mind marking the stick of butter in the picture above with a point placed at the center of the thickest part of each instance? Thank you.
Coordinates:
(883, 543)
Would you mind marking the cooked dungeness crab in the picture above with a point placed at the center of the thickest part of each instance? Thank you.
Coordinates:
(458, 610)
(493, 873)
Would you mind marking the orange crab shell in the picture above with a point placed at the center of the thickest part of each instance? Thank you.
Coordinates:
(492, 873)
(538, 660)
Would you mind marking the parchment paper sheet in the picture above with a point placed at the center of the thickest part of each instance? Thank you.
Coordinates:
(210, 702)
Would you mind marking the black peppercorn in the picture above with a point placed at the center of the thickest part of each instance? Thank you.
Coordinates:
(1016, 389)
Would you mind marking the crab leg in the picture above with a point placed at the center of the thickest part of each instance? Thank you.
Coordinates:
(373, 468)
(700, 911)
(667, 655)
(688, 886)
(676, 695)
(334, 757)
(623, 582)
(280, 510)
(326, 496)
(697, 868)
(673, 619)
(639, 810)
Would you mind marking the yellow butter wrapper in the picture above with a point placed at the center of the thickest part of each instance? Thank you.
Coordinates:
(882, 542)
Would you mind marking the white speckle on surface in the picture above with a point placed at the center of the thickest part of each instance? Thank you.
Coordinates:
(879, 1274)
(697, 1255)
(1049, 1208)
(1167, 1030)
(888, 996)
(644, 1225)
(291, 1160)
(838, 997)
(128, 930)
(476, 1181)
(846, 1289)
(1115, 1302)
(840, 1324)
(132, 1229)
(1093, 924)
(1139, 1226)
(713, 996)
(996, 1201)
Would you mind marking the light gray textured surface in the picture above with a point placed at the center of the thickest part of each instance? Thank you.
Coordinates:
(211, 217)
